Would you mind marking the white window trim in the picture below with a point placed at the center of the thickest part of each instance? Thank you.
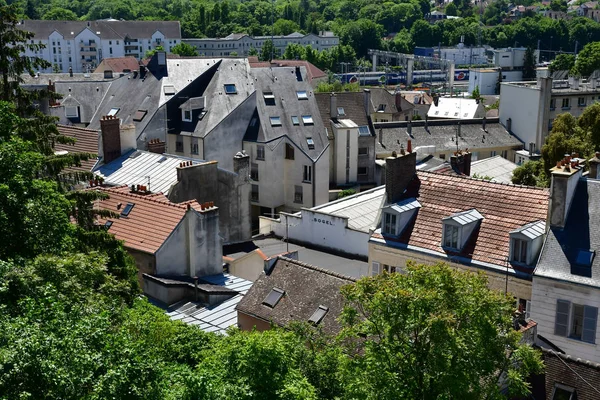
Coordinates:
(183, 118)
(392, 216)
(458, 236)
(375, 268)
(69, 114)
(512, 249)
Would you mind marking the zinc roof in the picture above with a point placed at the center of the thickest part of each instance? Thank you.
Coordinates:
(532, 230)
(465, 217)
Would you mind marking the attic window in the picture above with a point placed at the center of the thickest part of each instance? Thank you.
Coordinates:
(113, 111)
(364, 131)
(523, 241)
(273, 297)
(295, 120)
(318, 315)
(311, 143)
(562, 392)
(275, 121)
(127, 209)
(585, 258)
(71, 112)
(269, 98)
(458, 228)
(108, 224)
(307, 119)
(169, 90)
(340, 111)
(186, 115)
(230, 88)
(202, 114)
(139, 115)
(381, 108)
(302, 95)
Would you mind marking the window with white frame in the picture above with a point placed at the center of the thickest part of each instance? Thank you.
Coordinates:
(390, 269)
(260, 152)
(563, 392)
(519, 251)
(576, 321)
(179, 144)
(375, 268)
(566, 102)
(307, 174)
(186, 115)
(72, 112)
(451, 233)
(389, 224)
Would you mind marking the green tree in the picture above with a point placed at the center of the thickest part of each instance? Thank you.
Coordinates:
(418, 336)
(60, 14)
(362, 35)
(268, 51)
(530, 173)
(451, 10)
(284, 27)
(152, 52)
(559, 5)
(529, 65)
(184, 49)
(562, 62)
(565, 137)
(588, 60)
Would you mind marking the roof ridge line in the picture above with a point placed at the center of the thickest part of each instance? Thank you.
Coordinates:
(483, 180)
(569, 357)
(77, 127)
(151, 197)
(318, 269)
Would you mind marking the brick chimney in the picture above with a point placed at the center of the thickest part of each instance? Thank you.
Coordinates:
(594, 166)
(333, 112)
(156, 146)
(461, 162)
(398, 98)
(565, 176)
(399, 171)
(111, 138)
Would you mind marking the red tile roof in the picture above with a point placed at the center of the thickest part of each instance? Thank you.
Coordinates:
(118, 64)
(150, 222)
(504, 208)
(86, 142)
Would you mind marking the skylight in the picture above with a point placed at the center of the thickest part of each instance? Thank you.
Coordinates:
(273, 297)
(318, 315)
(364, 131)
(108, 224)
(585, 258)
(169, 90)
(230, 88)
(113, 112)
(269, 98)
(341, 111)
(307, 119)
(275, 121)
(139, 115)
(295, 120)
(311, 143)
(127, 209)
(302, 95)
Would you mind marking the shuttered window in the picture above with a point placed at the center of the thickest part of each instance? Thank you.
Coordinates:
(375, 268)
(576, 321)
(561, 325)
(590, 320)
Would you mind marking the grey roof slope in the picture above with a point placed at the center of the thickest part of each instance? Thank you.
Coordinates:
(498, 168)
(130, 94)
(108, 29)
(283, 83)
(382, 96)
(306, 288)
(581, 232)
(442, 134)
(184, 71)
(88, 94)
(352, 102)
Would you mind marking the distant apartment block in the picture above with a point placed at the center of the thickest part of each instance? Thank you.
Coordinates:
(240, 43)
(82, 45)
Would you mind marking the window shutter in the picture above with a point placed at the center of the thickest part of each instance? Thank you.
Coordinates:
(375, 268)
(561, 324)
(590, 319)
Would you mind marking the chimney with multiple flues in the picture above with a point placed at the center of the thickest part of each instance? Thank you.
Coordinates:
(565, 176)
(461, 162)
(110, 127)
(399, 171)
(156, 146)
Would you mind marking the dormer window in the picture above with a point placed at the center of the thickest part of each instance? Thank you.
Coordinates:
(186, 115)
(458, 228)
(526, 242)
(396, 216)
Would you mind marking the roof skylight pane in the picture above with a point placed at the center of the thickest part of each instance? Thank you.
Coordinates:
(127, 209)
(269, 98)
(275, 121)
(311, 143)
(139, 115)
(295, 120)
(230, 88)
(318, 315)
(302, 95)
(108, 224)
(585, 258)
(113, 111)
(341, 111)
(364, 131)
(307, 119)
(273, 297)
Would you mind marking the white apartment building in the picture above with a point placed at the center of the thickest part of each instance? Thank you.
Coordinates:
(527, 109)
(239, 44)
(81, 45)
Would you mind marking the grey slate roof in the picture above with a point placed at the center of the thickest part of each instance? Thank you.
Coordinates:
(441, 134)
(108, 29)
(581, 232)
(283, 83)
(352, 102)
(137, 167)
(306, 288)
(382, 96)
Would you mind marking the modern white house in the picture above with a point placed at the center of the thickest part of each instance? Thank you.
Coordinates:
(527, 109)
(566, 283)
(239, 44)
(81, 45)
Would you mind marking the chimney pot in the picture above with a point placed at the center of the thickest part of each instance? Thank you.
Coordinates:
(558, 164)
(409, 146)
(212, 204)
(188, 206)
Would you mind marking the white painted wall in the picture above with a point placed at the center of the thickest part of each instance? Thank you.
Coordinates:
(319, 229)
(545, 292)
(522, 105)
(341, 142)
(485, 79)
